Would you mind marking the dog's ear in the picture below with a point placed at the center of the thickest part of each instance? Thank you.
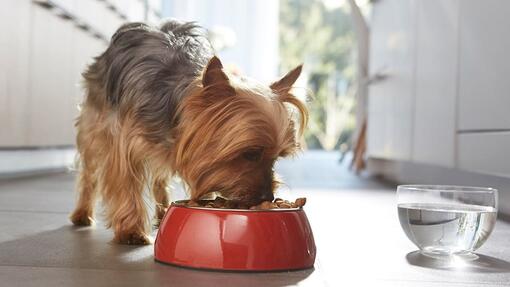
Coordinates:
(283, 85)
(282, 88)
(215, 81)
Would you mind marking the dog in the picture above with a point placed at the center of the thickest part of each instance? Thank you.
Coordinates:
(158, 103)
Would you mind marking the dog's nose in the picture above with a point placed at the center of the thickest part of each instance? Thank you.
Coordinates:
(267, 197)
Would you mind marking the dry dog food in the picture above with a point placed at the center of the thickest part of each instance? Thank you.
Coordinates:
(219, 202)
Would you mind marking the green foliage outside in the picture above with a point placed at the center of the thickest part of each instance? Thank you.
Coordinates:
(322, 38)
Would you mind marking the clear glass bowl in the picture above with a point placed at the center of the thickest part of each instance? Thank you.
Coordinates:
(447, 220)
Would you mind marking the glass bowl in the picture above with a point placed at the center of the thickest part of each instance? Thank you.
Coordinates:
(447, 220)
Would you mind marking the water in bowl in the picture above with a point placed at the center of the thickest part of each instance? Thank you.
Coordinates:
(445, 229)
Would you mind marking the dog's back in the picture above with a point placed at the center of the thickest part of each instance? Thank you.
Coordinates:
(145, 71)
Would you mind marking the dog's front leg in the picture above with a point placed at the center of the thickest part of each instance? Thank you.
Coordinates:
(161, 197)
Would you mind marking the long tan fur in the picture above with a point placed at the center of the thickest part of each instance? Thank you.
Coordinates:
(142, 125)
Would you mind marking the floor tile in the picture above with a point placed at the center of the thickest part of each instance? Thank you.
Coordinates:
(14, 276)
(358, 236)
(54, 193)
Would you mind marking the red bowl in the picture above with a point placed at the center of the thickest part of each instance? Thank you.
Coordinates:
(234, 239)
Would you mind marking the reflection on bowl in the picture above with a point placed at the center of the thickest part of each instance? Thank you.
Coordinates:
(235, 239)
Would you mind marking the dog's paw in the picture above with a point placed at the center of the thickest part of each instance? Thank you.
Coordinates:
(156, 223)
(160, 212)
(158, 217)
(133, 238)
(81, 218)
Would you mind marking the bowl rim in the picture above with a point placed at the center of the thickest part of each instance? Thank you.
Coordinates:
(178, 203)
(447, 188)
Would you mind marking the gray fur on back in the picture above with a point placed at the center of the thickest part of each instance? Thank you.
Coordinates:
(145, 71)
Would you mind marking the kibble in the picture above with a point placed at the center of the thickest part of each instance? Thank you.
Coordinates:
(220, 202)
(192, 203)
(300, 201)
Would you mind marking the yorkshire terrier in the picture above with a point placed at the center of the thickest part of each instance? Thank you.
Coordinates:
(157, 104)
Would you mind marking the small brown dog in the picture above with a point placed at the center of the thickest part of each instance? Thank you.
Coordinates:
(159, 104)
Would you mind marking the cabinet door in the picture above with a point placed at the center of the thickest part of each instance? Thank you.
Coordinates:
(4, 97)
(391, 101)
(67, 5)
(436, 82)
(15, 23)
(485, 152)
(484, 87)
(50, 79)
(85, 49)
(136, 11)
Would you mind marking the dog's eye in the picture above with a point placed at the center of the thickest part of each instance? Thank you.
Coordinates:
(254, 155)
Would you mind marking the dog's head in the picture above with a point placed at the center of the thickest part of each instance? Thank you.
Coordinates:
(231, 132)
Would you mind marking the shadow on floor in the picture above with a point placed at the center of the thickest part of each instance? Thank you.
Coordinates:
(322, 170)
(482, 264)
(189, 277)
(91, 248)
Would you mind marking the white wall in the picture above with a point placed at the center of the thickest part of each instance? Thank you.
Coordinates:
(446, 99)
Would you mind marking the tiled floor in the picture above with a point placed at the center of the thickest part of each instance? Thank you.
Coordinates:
(354, 220)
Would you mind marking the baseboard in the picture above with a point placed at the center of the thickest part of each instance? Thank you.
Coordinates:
(405, 172)
(29, 162)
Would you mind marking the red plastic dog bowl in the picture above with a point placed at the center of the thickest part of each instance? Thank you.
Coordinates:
(235, 239)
